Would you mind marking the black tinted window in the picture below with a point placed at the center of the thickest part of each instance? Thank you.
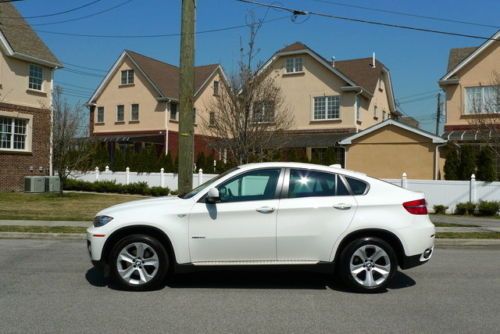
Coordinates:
(305, 183)
(358, 187)
(256, 185)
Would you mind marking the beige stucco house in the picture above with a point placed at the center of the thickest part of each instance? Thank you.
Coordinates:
(26, 80)
(137, 103)
(330, 99)
(472, 88)
(391, 148)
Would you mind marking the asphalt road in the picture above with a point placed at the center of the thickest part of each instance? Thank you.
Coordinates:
(49, 287)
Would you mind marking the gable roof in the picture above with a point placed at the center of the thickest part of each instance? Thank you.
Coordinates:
(435, 139)
(20, 41)
(162, 76)
(362, 72)
(462, 56)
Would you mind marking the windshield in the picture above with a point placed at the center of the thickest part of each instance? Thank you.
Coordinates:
(206, 184)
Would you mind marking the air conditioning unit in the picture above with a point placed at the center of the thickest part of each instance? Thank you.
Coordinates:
(52, 184)
(34, 184)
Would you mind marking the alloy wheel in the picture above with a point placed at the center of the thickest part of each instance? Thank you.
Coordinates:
(370, 266)
(137, 263)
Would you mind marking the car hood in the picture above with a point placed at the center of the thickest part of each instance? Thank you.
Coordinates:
(168, 203)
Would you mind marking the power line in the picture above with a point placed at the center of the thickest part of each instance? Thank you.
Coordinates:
(418, 94)
(85, 68)
(70, 70)
(434, 18)
(298, 12)
(418, 99)
(159, 35)
(73, 85)
(53, 14)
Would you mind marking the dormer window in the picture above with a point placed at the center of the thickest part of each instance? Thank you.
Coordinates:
(216, 88)
(294, 65)
(127, 77)
(36, 77)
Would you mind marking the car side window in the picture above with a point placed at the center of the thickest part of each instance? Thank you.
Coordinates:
(255, 185)
(358, 187)
(307, 183)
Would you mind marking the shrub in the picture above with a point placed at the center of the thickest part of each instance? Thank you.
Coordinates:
(466, 208)
(138, 188)
(488, 208)
(486, 170)
(158, 191)
(451, 166)
(440, 209)
(467, 164)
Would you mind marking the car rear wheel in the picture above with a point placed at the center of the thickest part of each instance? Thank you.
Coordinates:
(139, 262)
(368, 264)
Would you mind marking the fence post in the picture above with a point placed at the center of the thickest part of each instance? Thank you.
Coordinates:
(97, 173)
(162, 177)
(200, 176)
(106, 169)
(127, 175)
(404, 181)
(472, 189)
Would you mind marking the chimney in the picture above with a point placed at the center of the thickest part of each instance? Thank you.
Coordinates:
(333, 61)
(374, 63)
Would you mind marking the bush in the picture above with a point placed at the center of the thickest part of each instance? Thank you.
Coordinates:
(486, 170)
(440, 209)
(488, 208)
(466, 208)
(451, 166)
(138, 188)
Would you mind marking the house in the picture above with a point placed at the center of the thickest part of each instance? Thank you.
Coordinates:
(26, 78)
(330, 99)
(391, 148)
(136, 104)
(472, 88)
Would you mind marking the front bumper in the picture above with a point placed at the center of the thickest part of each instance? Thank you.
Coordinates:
(95, 243)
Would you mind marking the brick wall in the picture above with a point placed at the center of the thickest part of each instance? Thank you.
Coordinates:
(15, 166)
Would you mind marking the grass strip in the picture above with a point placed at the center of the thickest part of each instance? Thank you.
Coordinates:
(468, 235)
(453, 225)
(42, 229)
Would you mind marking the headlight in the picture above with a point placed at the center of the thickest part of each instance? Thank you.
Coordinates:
(102, 220)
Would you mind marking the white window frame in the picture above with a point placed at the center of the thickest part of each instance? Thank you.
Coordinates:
(128, 79)
(264, 112)
(118, 113)
(28, 119)
(294, 65)
(100, 112)
(484, 101)
(132, 118)
(35, 81)
(327, 104)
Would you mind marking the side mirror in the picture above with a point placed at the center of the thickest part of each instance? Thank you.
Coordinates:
(212, 196)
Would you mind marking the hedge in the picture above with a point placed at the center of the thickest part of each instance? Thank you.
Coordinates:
(137, 188)
(483, 208)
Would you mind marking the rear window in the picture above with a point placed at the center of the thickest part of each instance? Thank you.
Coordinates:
(358, 187)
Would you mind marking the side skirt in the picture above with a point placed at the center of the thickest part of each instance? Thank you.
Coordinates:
(321, 267)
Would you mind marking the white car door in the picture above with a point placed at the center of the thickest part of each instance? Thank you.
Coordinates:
(242, 225)
(315, 210)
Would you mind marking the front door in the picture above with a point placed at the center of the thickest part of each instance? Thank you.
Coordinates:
(242, 225)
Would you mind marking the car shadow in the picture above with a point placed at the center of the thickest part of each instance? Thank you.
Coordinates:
(267, 279)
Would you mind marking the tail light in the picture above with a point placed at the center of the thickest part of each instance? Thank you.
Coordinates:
(417, 207)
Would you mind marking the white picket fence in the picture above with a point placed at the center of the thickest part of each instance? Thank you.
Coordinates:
(437, 192)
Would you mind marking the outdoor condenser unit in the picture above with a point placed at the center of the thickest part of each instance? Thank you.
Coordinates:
(52, 184)
(34, 184)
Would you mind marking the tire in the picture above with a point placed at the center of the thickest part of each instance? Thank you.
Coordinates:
(138, 262)
(367, 264)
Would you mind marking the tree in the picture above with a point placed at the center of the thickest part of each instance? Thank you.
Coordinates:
(467, 165)
(452, 164)
(249, 117)
(72, 150)
(486, 165)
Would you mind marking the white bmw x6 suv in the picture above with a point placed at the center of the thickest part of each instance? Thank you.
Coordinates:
(268, 214)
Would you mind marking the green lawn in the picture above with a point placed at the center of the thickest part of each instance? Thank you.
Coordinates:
(468, 235)
(42, 229)
(71, 206)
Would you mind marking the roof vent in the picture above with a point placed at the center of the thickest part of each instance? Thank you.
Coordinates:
(374, 64)
(333, 61)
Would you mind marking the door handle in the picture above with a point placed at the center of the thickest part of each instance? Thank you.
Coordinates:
(265, 209)
(342, 206)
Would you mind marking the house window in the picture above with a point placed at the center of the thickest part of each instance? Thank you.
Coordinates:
(13, 133)
(36, 77)
(134, 115)
(326, 107)
(384, 115)
(375, 112)
(100, 114)
(357, 108)
(211, 119)
(294, 65)
(173, 111)
(482, 100)
(127, 77)
(120, 113)
(263, 112)
(216, 88)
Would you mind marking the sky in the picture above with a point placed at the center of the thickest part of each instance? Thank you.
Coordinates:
(416, 60)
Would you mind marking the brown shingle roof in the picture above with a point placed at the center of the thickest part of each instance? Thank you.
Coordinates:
(21, 38)
(166, 76)
(457, 55)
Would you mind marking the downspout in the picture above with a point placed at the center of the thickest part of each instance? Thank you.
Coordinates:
(356, 107)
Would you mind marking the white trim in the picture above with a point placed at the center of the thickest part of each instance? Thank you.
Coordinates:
(435, 139)
(210, 77)
(28, 143)
(471, 57)
(5, 45)
(390, 91)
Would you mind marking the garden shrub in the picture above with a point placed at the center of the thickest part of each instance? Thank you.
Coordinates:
(488, 208)
(466, 208)
(440, 209)
(138, 188)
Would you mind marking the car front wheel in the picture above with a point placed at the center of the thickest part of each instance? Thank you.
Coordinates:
(139, 262)
(368, 264)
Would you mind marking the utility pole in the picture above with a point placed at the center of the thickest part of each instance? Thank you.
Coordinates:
(438, 114)
(186, 92)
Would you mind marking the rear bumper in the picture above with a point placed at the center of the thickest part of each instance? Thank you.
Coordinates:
(416, 260)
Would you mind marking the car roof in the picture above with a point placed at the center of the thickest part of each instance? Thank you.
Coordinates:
(302, 165)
